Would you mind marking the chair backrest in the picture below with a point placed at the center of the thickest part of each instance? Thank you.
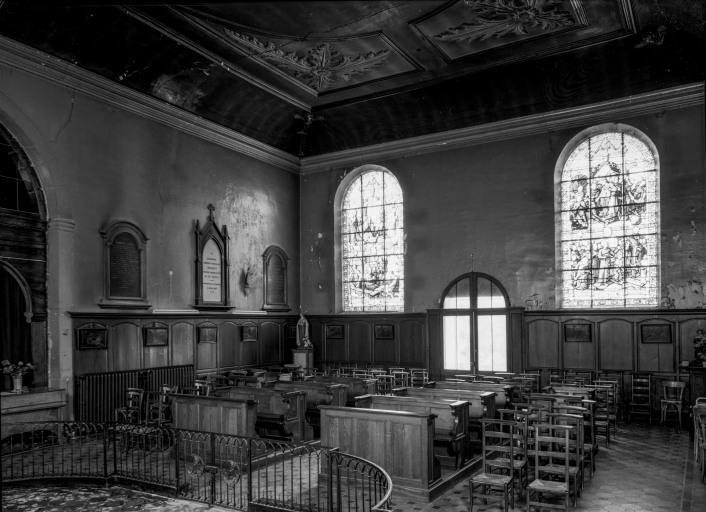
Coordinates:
(499, 437)
(135, 397)
(673, 390)
(551, 443)
(202, 387)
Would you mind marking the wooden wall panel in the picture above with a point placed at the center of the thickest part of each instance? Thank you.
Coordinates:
(579, 355)
(615, 344)
(335, 350)
(386, 351)
(360, 341)
(124, 346)
(687, 332)
(248, 353)
(542, 343)
(228, 344)
(412, 343)
(181, 343)
(156, 356)
(271, 345)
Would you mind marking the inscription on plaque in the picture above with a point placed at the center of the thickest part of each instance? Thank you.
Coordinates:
(275, 281)
(212, 272)
(125, 269)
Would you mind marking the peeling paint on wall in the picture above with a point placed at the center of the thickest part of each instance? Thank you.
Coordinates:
(688, 296)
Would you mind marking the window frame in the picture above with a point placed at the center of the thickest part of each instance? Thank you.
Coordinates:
(473, 312)
(566, 152)
(343, 187)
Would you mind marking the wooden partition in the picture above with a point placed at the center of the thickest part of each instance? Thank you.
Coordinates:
(212, 343)
(402, 443)
(615, 340)
(387, 340)
(214, 414)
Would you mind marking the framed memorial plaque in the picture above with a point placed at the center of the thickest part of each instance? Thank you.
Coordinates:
(577, 333)
(92, 336)
(656, 333)
(212, 268)
(155, 335)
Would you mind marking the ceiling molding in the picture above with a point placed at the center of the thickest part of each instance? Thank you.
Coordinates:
(58, 71)
(606, 111)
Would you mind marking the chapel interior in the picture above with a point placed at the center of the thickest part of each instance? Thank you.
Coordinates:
(407, 235)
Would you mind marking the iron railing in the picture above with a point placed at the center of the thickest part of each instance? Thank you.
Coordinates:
(235, 472)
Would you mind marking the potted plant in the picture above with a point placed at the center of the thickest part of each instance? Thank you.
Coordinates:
(16, 371)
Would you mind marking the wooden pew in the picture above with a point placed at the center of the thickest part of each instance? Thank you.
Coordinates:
(356, 386)
(280, 414)
(402, 443)
(504, 393)
(482, 403)
(450, 424)
(214, 414)
(317, 393)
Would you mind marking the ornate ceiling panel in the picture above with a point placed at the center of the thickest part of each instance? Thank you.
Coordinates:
(521, 29)
(310, 77)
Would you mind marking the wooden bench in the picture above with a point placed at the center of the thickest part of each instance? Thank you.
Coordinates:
(317, 393)
(481, 403)
(355, 386)
(400, 442)
(280, 414)
(450, 424)
(504, 393)
(214, 414)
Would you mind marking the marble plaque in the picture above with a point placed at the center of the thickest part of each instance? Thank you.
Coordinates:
(211, 273)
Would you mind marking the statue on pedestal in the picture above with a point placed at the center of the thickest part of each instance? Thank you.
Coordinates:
(303, 340)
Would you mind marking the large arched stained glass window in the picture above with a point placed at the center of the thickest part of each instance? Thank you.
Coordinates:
(608, 226)
(372, 243)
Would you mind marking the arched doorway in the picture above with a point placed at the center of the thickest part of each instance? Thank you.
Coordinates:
(23, 294)
(475, 323)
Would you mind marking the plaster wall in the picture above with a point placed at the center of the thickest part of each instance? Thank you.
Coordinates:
(490, 208)
(98, 163)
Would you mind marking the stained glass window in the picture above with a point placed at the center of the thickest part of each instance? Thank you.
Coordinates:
(372, 242)
(609, 223)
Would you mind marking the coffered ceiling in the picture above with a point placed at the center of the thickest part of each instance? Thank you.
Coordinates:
(313, 77)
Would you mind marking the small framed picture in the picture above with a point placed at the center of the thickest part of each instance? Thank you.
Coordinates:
(290, 332)
(384, 332)
(577, 333)
(656, 333)
(334, 332)
(208, 334)
(155, 336)
(92, 338)
(249, 332)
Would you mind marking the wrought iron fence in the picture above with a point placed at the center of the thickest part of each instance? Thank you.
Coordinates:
(241, 473)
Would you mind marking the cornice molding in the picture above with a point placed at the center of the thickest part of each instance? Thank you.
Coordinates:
(58, 71)
(606, 111)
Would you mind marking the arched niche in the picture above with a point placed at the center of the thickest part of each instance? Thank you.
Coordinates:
(274, 262)
(125, 262)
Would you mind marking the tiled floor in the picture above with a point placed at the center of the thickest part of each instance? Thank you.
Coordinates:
(645, 469)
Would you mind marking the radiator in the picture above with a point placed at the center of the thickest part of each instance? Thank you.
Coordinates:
(97, 395)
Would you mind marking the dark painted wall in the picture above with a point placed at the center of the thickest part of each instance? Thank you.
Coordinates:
(496, 201)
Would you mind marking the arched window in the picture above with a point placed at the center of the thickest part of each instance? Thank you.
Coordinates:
(475, 324)
(607, 204)
(371, 241)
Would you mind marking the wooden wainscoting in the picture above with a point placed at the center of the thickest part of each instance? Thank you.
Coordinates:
(221, 347)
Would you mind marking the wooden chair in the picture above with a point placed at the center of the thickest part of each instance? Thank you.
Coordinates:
(551, 445)
(698, 412)
(497, 439)
(132, 412)
(202, 387)
(516, 460)
(418, 377)
(672, 398)
(602, 414)
(576, 456)
(590, 446)
(159, 412)
(640, 396)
